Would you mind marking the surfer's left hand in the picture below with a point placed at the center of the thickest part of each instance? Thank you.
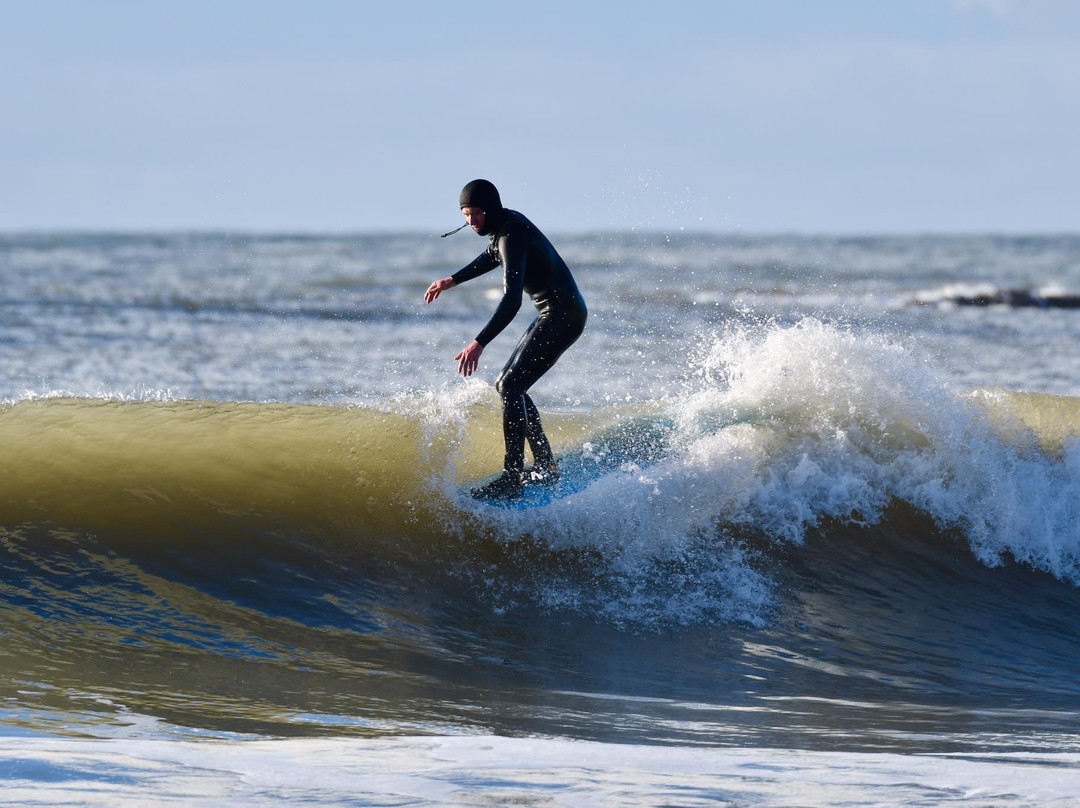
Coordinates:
(469, 358)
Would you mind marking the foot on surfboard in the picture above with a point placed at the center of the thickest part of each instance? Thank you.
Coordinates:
(542, 474)
(507, 485)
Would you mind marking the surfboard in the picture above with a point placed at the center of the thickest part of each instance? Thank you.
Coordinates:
(629, 446)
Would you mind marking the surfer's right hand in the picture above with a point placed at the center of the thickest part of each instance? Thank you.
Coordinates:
(437, 288)
(469, 358)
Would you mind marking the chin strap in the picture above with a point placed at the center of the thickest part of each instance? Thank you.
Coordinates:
(444, 235)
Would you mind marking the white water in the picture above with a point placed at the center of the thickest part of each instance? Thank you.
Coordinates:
(485, 771)
(780, 429)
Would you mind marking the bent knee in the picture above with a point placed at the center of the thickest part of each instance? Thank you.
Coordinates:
(507, 387)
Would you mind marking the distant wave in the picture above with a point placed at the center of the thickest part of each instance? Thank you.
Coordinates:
(368, 312)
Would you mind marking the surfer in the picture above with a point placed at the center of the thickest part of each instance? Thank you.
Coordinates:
(531, 266)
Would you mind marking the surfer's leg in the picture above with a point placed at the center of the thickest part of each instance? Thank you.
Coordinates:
(544, 470)
(534, 433)
(515, 426)
(514, 410)
(537, 351)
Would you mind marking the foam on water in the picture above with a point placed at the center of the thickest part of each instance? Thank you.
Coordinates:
(484, 770)
(789, 428)
(846, 423)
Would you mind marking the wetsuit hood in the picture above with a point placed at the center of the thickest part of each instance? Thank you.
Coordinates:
(484, 195)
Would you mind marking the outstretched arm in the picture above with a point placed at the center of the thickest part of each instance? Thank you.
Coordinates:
(485, 262)
(437, 288)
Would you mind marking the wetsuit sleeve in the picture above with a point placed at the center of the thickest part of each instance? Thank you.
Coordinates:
(485, 262)
(512, 256)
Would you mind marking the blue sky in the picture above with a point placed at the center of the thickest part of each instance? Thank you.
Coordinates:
(767, 116)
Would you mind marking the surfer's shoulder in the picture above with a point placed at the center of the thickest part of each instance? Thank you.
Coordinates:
(514, 224)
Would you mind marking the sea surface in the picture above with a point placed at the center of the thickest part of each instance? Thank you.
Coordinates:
(831, 554)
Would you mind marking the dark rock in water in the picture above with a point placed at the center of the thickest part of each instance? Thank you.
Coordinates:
(1061, 302)
(1014, 298)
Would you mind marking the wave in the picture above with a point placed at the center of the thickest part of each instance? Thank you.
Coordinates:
(787, 432)
(815, 513)
(170, 467)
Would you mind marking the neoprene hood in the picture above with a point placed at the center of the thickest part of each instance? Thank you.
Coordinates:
(481, 194)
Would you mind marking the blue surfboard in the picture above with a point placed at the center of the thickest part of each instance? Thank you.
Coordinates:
(637, 443)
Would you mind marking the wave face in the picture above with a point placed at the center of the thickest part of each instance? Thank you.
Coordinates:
(815, 542)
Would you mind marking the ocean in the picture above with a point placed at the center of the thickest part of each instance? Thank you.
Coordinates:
(831, 555)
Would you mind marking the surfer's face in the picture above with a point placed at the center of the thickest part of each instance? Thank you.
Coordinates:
(475, 218)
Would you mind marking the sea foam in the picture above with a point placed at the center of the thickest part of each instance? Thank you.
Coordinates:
(788, 429)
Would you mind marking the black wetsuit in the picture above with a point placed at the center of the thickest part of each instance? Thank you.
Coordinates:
(531, 266)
